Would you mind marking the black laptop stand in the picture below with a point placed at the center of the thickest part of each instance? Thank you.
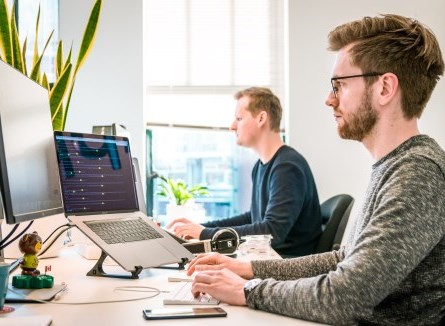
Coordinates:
(98, 270)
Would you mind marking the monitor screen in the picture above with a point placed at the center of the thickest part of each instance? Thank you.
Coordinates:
(96, 173)
(29, 181)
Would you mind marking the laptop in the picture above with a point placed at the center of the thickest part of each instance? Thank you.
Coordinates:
(98, 184)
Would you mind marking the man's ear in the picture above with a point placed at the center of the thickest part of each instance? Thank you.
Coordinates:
(262, 118)
(389, 88)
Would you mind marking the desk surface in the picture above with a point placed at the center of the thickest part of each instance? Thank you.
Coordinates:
(71, 269)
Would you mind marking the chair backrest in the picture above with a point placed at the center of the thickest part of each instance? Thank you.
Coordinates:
(335, 214)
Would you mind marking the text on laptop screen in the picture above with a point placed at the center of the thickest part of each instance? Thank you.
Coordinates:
(96, 173)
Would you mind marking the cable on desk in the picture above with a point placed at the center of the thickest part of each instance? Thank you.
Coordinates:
(119, 288)
(137, 288)
(4, 245)
(67, 227)
(9, 234)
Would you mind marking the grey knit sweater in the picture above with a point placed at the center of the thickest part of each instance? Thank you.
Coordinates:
(392, 269)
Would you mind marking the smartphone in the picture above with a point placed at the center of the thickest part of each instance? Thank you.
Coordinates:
(175, 313)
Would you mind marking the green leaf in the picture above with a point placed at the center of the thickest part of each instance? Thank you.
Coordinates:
(59, 57)
(179, 191)
(68, 58)
(65, 109)
(5, 33)
(44, 81)
(35, 56)
(56, 97)
(35, 72)
(17, 60)
(58, 117)
(88, 35)
(24, 55)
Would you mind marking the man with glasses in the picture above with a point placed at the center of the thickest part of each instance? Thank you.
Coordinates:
(392, 268)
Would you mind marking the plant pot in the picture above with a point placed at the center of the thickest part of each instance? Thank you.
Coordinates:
(192, 211)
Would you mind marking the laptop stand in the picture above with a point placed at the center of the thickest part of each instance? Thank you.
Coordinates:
(98, 270)
(181, 265)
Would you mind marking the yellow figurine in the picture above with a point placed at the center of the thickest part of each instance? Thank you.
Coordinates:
(30, 244)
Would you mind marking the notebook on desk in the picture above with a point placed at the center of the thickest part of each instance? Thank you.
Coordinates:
(99, 195)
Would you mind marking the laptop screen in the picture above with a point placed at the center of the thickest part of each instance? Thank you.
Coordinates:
(96, 173)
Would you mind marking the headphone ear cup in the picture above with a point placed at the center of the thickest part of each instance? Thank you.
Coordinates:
(225, 241)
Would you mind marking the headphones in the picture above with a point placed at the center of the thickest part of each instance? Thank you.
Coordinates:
(225, 241)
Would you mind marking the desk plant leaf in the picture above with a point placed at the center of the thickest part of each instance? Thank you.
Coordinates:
(5, 33)
(60, 92)
(35, 72)
(56, 96)
(179, 192)
(88, 35)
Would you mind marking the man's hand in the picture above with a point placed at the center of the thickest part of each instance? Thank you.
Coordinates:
(223, 285)
(216, 261)
(185, 228)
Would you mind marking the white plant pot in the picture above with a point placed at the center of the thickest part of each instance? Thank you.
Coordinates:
(190, 210)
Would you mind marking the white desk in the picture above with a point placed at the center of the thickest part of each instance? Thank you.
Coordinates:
(72, 268)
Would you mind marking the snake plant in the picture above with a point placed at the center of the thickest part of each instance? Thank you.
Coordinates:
(14, 54)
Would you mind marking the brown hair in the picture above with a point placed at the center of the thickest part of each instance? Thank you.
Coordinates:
(262, 99)
(392, 43)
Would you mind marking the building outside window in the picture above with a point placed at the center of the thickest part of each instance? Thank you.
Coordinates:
(198, 54)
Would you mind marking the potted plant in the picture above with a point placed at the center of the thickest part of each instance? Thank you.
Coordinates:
(181, 196)
(14, 54)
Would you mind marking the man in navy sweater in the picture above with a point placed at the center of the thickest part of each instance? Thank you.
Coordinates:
(285, 201)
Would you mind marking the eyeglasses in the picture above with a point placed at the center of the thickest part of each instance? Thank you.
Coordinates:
(336, 86)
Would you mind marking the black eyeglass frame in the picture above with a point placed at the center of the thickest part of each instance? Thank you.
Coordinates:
(368, 74)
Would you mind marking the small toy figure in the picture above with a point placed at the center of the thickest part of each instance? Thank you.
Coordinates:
(30, 244)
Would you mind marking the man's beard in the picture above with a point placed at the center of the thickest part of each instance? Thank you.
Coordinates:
(361, 122)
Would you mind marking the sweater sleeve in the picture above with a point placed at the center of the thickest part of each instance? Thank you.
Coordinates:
(295, 268)
(212, 227)
(405, 224)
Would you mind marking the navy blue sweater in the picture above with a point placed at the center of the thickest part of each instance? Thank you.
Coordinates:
(284, 204)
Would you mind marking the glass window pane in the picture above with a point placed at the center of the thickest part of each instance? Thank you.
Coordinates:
(204, 157)
(49, 21)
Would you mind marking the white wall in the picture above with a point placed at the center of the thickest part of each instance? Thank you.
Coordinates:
(342, 166)
(109, 87)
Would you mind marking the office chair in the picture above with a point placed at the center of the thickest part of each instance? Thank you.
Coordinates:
(335, 214)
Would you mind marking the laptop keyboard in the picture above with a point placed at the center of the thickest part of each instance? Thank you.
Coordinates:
(123, 230)
(182, 295)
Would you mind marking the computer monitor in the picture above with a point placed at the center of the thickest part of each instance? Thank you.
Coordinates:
(29, 181)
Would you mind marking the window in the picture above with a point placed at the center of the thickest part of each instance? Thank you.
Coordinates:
(198, 54)
(49, 21)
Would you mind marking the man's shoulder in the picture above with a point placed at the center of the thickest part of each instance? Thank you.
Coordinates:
(424, 153)
(288, 154)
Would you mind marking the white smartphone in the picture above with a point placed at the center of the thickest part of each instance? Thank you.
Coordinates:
(176, 313)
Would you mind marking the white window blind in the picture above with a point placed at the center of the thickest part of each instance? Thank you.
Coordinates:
(200, 52)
